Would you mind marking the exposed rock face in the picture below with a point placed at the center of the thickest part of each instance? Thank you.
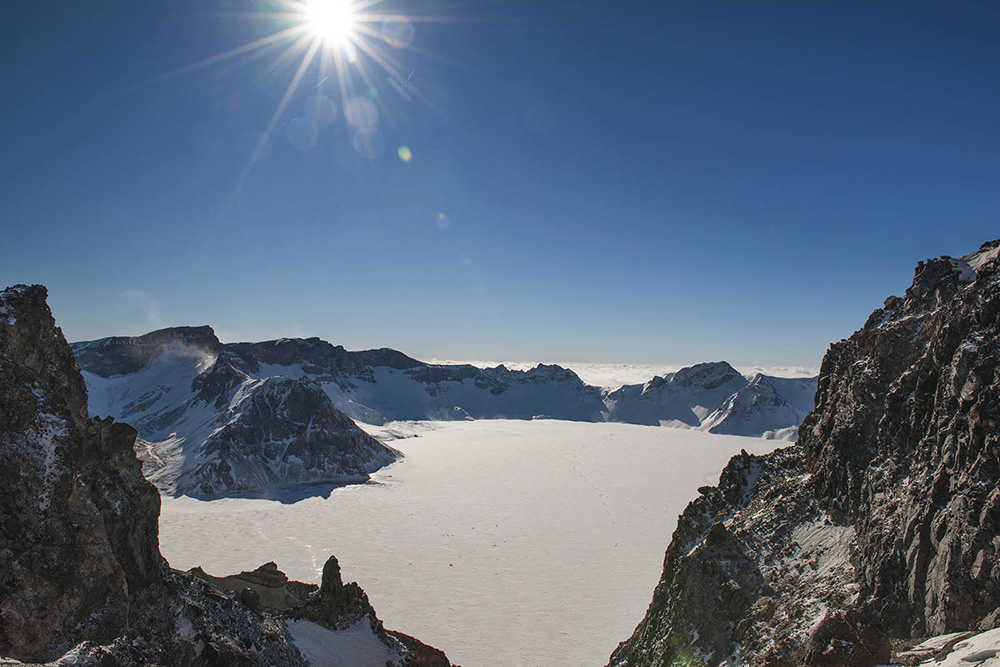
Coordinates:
(78, 523)
(270, 587)
(80, 567)
(281, 431)
(882, 523)
(334, 605)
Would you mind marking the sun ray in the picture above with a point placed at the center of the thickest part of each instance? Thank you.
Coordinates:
(258, 150)
(389, 67)
(247, 48)
(352, 42)
(287, 56)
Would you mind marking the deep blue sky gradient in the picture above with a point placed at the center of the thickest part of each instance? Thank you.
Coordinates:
(624, 181)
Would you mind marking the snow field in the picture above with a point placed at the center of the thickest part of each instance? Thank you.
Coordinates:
(503, 543)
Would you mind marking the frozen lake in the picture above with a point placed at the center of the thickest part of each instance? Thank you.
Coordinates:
(503, 543)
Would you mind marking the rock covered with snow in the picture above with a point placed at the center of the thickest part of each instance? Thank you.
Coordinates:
(715, 397)
(211, 422)
(82, 580)
(880, 526)
(333, 618)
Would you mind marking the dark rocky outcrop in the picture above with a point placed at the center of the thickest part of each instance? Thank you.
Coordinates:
(333, 604)
(880, 526)
(78, 523)
(282, 431)
(80, 567)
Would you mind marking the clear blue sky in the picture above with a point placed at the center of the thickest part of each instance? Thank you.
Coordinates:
(669, 181)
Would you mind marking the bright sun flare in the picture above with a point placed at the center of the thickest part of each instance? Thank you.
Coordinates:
(332, 20)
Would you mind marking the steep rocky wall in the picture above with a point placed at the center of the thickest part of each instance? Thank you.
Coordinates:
(916, 464)
(78, 523)
(881, 524)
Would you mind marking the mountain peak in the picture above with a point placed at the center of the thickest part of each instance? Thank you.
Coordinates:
(709, 375)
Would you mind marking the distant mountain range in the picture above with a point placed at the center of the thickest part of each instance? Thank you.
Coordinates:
(217, 418)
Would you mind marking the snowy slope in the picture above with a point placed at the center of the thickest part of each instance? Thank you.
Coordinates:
(216, 418)
(772, 407)
(377, 386)
(715, 397)
(207, 425)
(354, 647)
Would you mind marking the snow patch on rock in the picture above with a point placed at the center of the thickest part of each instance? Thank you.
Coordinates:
(356, 646)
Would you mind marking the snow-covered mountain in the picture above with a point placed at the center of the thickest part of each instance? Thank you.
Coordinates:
(715, 397)
(210, 423)
(218, 417)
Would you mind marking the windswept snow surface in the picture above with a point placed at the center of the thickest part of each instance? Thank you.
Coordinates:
(504, 543)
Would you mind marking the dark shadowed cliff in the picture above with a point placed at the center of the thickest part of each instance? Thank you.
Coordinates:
(880, 526)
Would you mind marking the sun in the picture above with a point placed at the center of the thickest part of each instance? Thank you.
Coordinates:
(331, 20)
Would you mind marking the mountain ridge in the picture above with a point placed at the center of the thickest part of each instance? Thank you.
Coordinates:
(190, 395)
(880, 526)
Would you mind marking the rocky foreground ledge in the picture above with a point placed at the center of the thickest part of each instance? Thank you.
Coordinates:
(82, 580)
(880, 527)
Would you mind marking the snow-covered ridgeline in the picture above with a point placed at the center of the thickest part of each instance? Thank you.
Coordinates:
(187, 394)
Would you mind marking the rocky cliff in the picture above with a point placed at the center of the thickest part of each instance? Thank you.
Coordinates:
(81, 575)
(881, 526)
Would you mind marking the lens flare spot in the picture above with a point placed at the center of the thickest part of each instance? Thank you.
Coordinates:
(397, 31)
(350, 52)
(369, 144)
(404, 154)
(320, 110)
(302, 133)
(442, 221)
(372, 92)
(361, 113)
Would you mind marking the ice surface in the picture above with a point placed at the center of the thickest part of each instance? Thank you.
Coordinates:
(503, 543)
